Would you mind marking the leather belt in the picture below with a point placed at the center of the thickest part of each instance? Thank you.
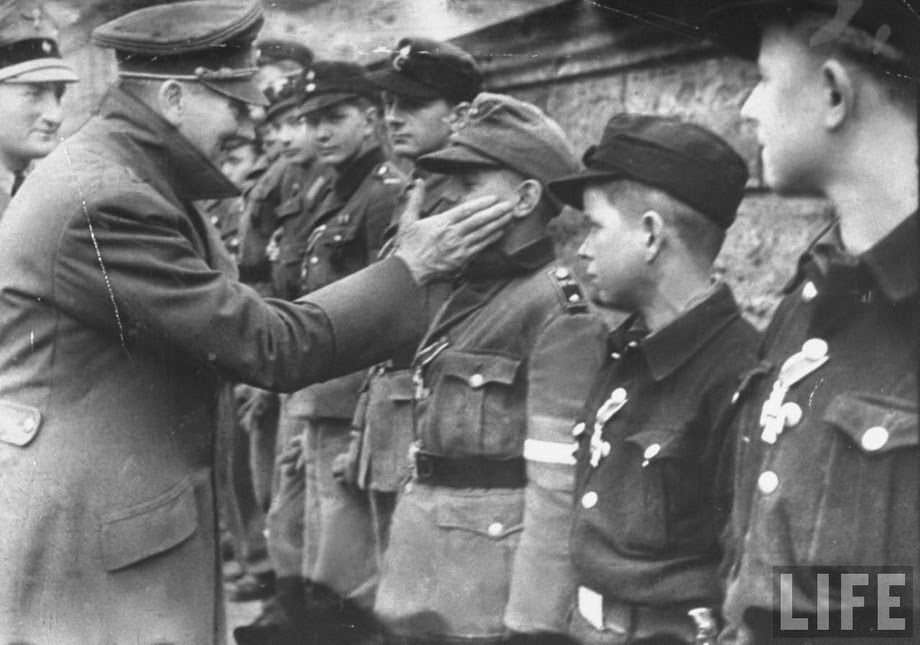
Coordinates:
(635, 621)
(470, 472)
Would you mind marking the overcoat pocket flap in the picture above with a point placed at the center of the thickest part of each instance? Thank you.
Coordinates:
(18, 423)
(502, 516)
(149, 528)
(877, 424)
(658, 442)
(479, 369)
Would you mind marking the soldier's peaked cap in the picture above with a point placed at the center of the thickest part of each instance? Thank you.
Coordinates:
(504, 132)
(29, 46)
(330, 82)
(427, 69)
(885, 32)
(686, 161)
(277, 49)
(208, 41)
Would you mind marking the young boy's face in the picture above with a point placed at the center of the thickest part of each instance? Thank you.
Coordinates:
(340, 132)
(293, 135)
(614, 251)
(416, 127)
(786, 109)
(238, 162)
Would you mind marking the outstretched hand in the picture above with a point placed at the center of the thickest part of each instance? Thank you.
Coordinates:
(441, 244)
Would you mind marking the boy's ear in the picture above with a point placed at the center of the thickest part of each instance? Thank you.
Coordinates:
(839, 93)
(529, 194)
(653, 227)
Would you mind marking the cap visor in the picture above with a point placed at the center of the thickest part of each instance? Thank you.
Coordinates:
(401, 85)
(321, 101)
(244, 90)
(570, 190)
(736, 26)
(40, 70)
(455, 159)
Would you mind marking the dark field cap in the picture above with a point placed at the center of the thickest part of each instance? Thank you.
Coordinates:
(426, 69)
(274, 50)
(686, 161)
(502, 131)
(327, 83)
(886, 32)
(290, 94)
(207, 41)
(28, 45)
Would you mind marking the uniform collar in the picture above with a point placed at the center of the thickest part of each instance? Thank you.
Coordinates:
(351, 176)
(492, 264)
(6, 181)
(680, 340)
(192, 175)
(892, 264)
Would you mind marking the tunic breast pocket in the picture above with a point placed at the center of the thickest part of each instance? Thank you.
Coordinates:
(476, 406)
(867, 509)
(662, 488)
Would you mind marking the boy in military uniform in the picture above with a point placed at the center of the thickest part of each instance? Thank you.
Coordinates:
(653, 444)
(497, 380)
(33, 77)
(428, 86)
(827, 456)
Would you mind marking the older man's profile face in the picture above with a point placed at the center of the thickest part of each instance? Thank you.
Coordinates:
(30, 117)
(209, 119)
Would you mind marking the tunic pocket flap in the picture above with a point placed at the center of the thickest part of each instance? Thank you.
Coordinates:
(18, 423)
(495, 516)
(334, 235)
(289, 207)
(876, 424)
(655, 443)
(479, 369)
(149, 528)
(401, 386)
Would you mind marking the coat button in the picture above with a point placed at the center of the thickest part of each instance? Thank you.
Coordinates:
(589, 499)
(618, 396)
(495, 529)
(809, 291)
(562, 273)
(314, 259)
(652, 451)
(579, 429)
(767, 482)
(792, 414)
(874, 438)
(814, 349)
(477, 381)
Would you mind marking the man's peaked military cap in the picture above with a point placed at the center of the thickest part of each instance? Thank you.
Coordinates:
(885, 33)
(427, 69)
(28, 45)
(329, 82)
(686, 161)
(504, 132)
(273, 50)
(208, 41)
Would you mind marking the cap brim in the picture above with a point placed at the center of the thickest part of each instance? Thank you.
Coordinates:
(395, 83)
(454, 159)
(322, 101)
(570, 190)
(737, 26)
(244, 90)
(39, 70)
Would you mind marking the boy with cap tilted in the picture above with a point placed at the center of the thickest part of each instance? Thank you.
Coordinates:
(32, 81)
(120, 322)
(827, 470)
(496, 384)
(427, 86)
(653, 453)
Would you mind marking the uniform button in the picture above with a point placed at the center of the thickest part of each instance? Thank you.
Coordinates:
(311, 87)
(767, 482)
(632, 344)
(314, 260)
(792, 414)
(652, 451)
(495, 529)
(28, 425)
(575, 298)
(815, 349)
(336, 238)
(616, 355)
(477, 381)
(589, 499)
(809, 291)
(579, 429)
(618, 396)
(735, 397)
(874, 438)
(562, 273)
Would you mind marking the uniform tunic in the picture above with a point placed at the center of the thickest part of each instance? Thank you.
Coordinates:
(117, 327)
(839, 484)
(506, 359)
(653, 488)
